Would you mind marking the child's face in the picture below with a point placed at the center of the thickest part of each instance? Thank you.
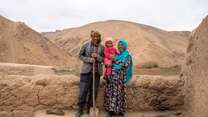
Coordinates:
(109, 44)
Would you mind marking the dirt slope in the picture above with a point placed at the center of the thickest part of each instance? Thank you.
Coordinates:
(21, 44)
(146, 43)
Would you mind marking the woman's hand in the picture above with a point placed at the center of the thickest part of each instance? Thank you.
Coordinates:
(111, 57)
(107, 65)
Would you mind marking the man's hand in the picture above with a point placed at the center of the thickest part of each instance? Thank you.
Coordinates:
(94, 55)
(93, 60)
(107, 80)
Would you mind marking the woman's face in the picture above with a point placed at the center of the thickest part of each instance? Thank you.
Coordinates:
(120, 47)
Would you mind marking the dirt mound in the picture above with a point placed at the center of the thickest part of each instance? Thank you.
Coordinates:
(21, 44)
(146, 43)
(195, 71)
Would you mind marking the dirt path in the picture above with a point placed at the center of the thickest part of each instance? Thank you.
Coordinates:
(42, 113)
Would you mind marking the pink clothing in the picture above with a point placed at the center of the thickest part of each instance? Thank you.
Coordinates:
(108, 59)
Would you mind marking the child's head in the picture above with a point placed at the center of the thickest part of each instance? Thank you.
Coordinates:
(109, 42)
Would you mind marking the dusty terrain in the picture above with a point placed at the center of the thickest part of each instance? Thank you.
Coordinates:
(151, 47)
(21, 44)
(52, 82)
(130, 114)
(147, 44)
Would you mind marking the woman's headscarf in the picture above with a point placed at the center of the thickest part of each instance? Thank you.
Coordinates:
(123, 56)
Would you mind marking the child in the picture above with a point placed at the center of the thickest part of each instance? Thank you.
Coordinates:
(109, 53)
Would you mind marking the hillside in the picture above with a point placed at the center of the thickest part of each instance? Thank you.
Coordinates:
(148, 45)
(21, 44)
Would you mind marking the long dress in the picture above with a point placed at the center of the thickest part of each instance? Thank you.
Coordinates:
(115, 99)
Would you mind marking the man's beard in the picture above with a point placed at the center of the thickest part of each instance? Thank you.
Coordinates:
(96, 43)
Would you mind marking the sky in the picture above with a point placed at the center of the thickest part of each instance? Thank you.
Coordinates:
(51, 15)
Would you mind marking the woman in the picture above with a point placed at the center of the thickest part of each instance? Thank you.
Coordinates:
(115, 100)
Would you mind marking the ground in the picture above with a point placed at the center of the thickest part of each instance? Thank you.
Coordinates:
(42, 113)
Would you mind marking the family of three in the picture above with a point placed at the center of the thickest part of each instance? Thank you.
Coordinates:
(117, 73)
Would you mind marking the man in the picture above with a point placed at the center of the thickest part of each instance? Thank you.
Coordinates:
(91, 52)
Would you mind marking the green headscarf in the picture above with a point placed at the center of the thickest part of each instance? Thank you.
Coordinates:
(123, 56)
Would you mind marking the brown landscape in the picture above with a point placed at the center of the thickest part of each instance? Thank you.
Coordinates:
(21, 44)
(151, 47)
(40, 71)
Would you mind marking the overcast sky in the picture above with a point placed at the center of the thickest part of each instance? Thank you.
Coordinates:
(49, 15)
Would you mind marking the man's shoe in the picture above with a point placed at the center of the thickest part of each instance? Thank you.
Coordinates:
(79, 113)
(121, 114)
(109, 115)
(55, 112)
(88, 110)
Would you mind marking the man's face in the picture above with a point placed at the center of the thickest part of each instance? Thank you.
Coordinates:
(95, 39)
